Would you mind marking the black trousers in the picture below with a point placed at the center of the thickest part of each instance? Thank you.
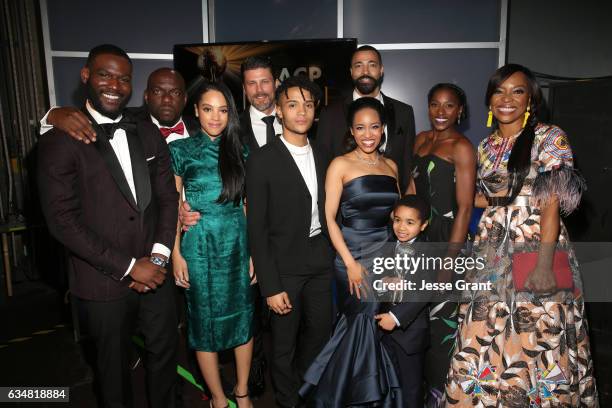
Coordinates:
(410, 368)
(111, 325)
(299, 336)
(259, 320)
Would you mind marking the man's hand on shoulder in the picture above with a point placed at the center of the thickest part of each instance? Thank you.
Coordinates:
(147, 273)
(74, 122)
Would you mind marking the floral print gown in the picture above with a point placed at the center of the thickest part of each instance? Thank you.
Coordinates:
(513, 348)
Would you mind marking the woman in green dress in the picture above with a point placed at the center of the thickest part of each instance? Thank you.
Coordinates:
(211, 260)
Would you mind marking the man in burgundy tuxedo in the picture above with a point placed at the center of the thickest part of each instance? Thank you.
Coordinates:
(113, 205)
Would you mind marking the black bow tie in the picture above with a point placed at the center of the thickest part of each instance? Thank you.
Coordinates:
(110, 128)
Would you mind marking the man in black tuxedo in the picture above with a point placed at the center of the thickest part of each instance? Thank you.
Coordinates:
(113, 205)
(288, 237)
(367, 72)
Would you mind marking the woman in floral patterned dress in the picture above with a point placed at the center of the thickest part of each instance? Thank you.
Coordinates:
(522, 345)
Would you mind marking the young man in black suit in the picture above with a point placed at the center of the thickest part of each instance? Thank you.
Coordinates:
(113, 205)
(367, 73)
(288, 237)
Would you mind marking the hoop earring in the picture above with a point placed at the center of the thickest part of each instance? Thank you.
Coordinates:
(490, 119)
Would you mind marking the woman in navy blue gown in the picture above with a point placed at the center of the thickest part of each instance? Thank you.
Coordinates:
(354, 369)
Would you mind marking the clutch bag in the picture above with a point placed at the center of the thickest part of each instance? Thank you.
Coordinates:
(524, 262)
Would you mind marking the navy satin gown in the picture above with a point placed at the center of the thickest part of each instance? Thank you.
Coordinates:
(354, 369)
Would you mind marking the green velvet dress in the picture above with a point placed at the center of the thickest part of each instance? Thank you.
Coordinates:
(219, 306)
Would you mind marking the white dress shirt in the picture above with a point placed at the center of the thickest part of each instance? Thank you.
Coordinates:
(259, 126)
(172, 136)
(356, 96)
(304, 159)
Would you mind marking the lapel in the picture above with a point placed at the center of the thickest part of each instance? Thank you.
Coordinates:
(140, 170)
(287, 163)
(391, 124)
(109, 157)
(247, 131)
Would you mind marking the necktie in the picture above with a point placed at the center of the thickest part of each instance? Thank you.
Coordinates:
(270, 133)
(178, 129)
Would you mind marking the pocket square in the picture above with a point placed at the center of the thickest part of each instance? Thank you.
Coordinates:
(150, 158)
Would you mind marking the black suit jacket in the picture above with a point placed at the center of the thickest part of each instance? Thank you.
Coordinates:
(413, 315)
(332, 130)
(279, 214)
(246, 130)
(90, 209)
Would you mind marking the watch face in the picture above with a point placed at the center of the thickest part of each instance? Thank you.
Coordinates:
(157, 261)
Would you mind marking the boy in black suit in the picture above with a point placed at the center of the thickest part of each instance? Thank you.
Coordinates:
(404, 318)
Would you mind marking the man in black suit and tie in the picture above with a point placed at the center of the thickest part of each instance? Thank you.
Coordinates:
(258, 123)
(288, 237)
(367, 72)
(113, 204)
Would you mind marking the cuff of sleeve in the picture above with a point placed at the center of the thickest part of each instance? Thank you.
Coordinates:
(129, 269)
(161, 249)
(44, 126)
(395, 319)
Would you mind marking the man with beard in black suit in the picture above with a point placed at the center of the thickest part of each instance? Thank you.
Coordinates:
(113, 205)
(367, 73)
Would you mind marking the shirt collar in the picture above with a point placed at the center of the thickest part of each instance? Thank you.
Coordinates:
(408, 242)
(98, 117)
(259, 115)
(379, 96)
(296, 149)
(156, 122)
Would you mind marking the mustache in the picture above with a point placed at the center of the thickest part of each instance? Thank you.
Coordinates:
(366, 77)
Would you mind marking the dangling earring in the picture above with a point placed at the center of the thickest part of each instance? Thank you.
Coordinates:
(490, 119)
(527, 114)
(459, 118)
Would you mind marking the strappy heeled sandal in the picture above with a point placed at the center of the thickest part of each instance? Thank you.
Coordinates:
(240, 396)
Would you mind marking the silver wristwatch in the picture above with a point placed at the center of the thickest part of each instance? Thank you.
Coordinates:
(158, 261)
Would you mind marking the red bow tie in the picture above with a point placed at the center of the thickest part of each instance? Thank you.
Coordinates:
(179, 129)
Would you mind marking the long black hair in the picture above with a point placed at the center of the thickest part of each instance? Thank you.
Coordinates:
(366, 102)
(519, 162)
(231, 160)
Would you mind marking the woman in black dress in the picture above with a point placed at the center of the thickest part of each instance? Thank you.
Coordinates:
(445, 176)
(354, 369)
